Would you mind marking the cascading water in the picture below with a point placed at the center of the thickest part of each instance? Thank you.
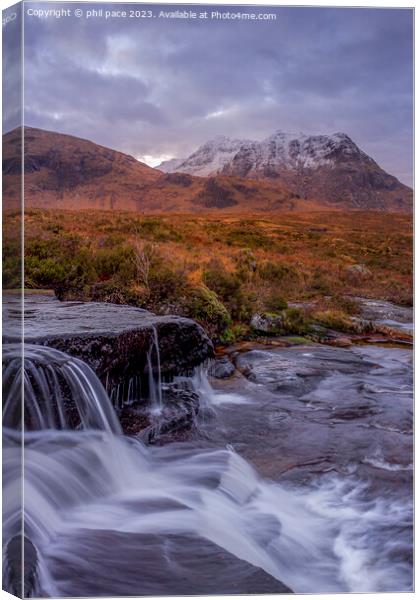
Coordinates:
(60, 392)
(137, 389)
(110, 516)
(155, 377)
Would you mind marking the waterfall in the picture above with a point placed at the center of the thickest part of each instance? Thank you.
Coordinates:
(155, 376)
(60, 392)
(106, 515)
(141, 389)
(127, 392)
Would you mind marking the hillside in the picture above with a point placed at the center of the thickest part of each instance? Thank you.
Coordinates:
(66, 172)
(331, 170)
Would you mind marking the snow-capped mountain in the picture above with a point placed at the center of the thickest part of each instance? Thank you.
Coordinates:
(327, 168)
(209, 159)
(280, 150)
(171, 165)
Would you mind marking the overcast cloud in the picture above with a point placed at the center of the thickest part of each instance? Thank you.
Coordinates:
(158, 88)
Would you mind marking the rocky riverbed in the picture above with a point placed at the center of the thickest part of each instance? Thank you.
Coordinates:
(295, 473)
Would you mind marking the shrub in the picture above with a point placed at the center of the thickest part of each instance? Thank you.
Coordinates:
(116, 262)
(247, 236)
(295, 321)
(320, 283)
(12, 265)
(278, 273)
(334, 319)
(203, 305)
(234, 334)
(166, 282)
(109, 292)
(345, 304)
(155, 228)
(228, 286)
(47, 272)
(276, 303)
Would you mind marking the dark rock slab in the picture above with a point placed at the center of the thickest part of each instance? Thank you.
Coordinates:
(155, 565)
(112, 339)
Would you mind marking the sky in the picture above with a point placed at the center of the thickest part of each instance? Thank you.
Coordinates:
(158, 88)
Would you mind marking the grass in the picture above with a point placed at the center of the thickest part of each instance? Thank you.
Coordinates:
(219, 269)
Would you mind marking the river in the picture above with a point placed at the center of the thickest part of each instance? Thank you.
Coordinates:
(298, 476)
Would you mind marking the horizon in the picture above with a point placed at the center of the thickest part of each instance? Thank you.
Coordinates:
(158, 89)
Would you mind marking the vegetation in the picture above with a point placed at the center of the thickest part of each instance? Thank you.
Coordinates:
(218, 269)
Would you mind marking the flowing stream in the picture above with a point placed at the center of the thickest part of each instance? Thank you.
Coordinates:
(298, 477)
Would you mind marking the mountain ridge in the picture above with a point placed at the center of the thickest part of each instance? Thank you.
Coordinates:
(326, 168)
(66, 172)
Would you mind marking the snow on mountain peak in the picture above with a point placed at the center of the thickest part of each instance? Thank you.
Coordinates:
(280, 150)
(209, 159)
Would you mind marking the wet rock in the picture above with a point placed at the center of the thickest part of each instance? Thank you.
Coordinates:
(222, 368)
(296, 370)
(353, 411)
(269, 324)
(184, 563)
(386, 313)
(178, 414)
(340, 342)
(112, 339)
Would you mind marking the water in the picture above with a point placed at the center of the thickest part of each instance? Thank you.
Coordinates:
(109, 516)
(155, 377)
(60, 392)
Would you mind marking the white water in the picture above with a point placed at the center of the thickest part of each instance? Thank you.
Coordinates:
(328, 536)
(51, 382)
(209, 398)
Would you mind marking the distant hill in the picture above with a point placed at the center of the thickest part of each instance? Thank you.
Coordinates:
(330, 170)
(66, 172)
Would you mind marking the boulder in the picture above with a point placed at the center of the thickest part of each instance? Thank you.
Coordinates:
(222, 368)
(267, 323)
(114, 340)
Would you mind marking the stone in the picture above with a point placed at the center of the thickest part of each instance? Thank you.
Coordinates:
(340, 342)
(222, 368)
(178, 415)
(267, 323)
(112, 339)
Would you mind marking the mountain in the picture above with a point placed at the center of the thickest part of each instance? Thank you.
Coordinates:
(209, 159)
(66, 172)
(284, 172)
(327, 169)
(62, 170)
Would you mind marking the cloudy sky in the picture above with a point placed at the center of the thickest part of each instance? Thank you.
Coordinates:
(158, 88)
